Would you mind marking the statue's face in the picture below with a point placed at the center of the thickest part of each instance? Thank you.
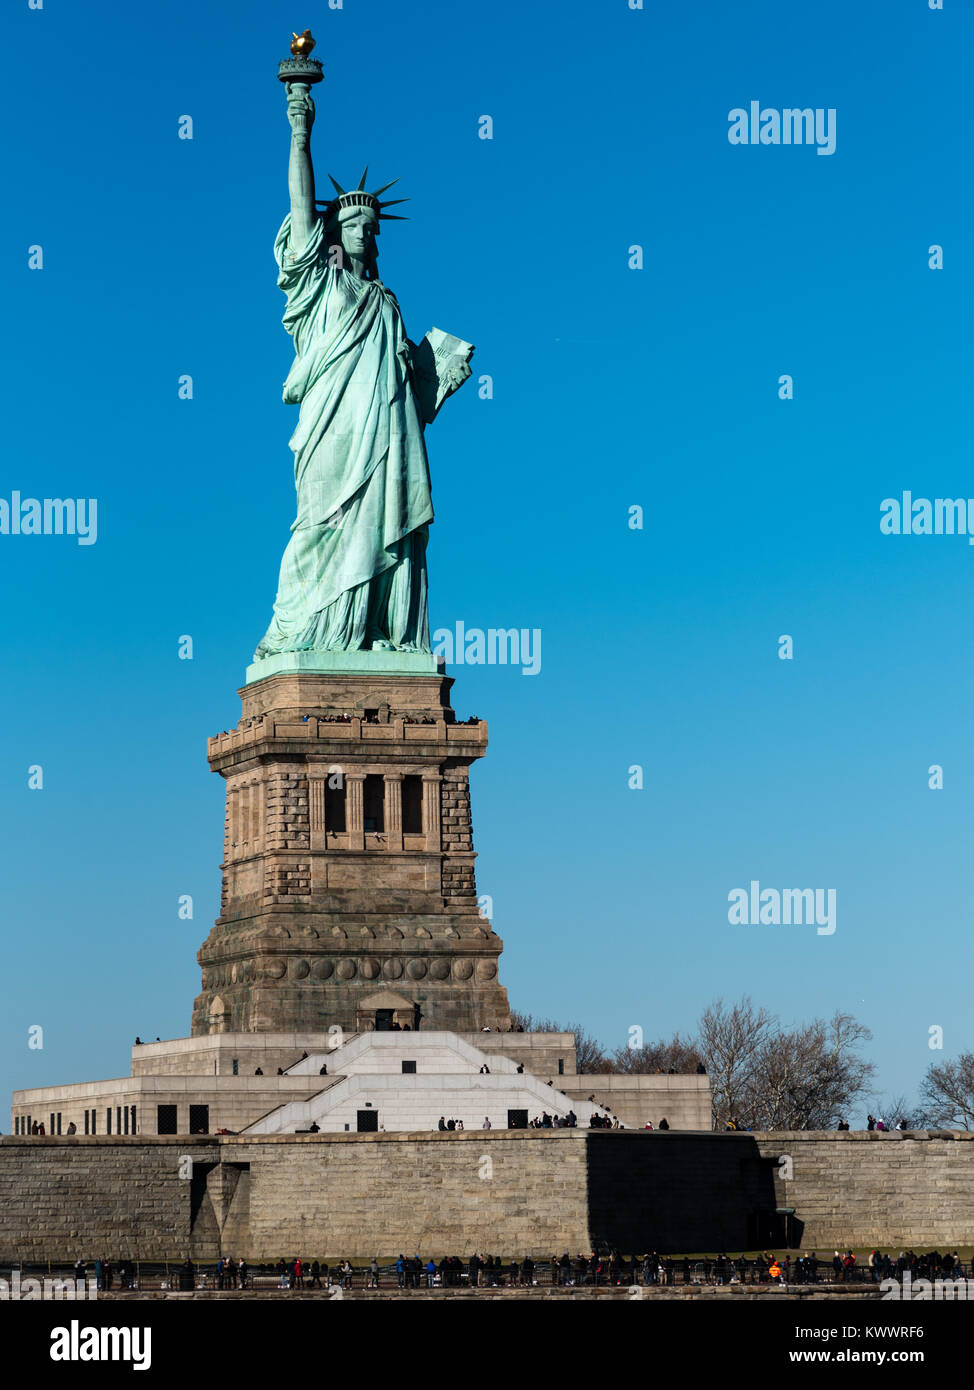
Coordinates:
(357, 231)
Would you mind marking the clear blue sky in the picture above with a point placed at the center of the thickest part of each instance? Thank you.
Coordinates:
(612, 387)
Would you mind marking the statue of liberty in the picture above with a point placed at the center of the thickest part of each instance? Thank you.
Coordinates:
(353, 575)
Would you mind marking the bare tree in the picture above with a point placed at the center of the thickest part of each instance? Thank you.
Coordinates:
(673, 1054)
(947, 1092)
(730, 1041)
(810, 1077)
(529, 1024)
(762, 1075)
(898, 1107)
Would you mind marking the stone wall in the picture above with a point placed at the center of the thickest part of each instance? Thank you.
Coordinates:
(515, 1192)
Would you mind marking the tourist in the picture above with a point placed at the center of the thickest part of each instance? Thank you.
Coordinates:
(486, 1124)
(870, 1122)
(442, 1124)
(663, 1124)
(430, 1272)
(373, 1273)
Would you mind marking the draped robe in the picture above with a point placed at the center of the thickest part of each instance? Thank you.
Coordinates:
(354, 570)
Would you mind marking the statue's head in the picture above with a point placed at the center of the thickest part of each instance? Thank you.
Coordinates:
(352, 220)
(355, 230)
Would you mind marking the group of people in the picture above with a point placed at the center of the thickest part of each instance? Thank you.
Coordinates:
(610, 1268)
(298, 1274)
(105, 1273)
(878, 1124)
(230, 1275)
(932, 1265)
(542, 1121)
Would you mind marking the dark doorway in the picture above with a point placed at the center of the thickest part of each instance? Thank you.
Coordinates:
(367, 1121)
(373, 803)
(335, 807)
(412, 805)
(383, 1020)
(199, 1119)
(166, 1122)
(780, 1227)
(517, 1119)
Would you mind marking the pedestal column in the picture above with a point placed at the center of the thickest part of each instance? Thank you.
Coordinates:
(355, 809)
(393, 809)
(431, 811)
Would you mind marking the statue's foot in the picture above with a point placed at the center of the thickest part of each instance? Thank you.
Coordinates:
(381, 645)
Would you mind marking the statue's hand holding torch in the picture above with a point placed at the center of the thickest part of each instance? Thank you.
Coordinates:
(300, 110)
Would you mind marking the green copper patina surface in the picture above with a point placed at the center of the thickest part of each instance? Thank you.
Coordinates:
(353, 575)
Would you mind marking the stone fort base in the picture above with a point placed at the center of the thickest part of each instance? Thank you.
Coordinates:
(514, 1193)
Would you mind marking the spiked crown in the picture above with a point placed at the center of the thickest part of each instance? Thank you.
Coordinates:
(360, 198)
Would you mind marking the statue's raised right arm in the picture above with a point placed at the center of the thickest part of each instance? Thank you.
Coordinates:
(300, 173)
